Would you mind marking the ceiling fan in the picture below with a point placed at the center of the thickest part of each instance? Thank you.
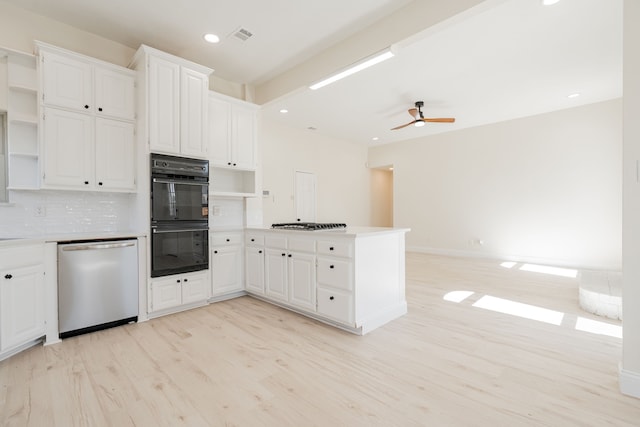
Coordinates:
(419, 119)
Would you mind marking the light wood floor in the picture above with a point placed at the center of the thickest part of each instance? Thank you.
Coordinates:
(247, 363)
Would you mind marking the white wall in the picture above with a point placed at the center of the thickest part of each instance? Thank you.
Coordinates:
(544, 188)
(630, 374)
(343, 178)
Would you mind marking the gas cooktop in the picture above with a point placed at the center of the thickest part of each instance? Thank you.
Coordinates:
(309, 226)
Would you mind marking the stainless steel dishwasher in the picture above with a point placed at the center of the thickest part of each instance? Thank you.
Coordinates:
(97, 285)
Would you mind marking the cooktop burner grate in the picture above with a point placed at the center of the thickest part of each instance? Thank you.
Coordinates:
(309, 226)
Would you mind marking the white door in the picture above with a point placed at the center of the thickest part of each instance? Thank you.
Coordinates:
(255, 270)
(301, 277)
(194, 93)
(226, 266)
(275, 267)
(305, 196)
(219, 132)
(243, 146)
(114, 94)
(115, 154)
(68, 152)
(67, 82)
(21, 306)
(164, 106)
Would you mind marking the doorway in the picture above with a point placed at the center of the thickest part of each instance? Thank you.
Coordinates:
(305, 196)
(382, 196)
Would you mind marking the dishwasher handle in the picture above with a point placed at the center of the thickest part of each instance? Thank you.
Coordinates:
(98, 246)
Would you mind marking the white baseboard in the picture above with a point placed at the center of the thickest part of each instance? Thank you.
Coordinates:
(629, 382)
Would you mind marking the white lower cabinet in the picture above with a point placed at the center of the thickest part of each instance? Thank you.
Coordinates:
(349, 280)
(254, 263)
(290, 271)
(178, 290)
(22, 304)
(226, 266)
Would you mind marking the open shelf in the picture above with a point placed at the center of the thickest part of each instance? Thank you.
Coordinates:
(232, 182)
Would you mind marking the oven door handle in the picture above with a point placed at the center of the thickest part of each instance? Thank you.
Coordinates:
(155, 230)
(175, 181)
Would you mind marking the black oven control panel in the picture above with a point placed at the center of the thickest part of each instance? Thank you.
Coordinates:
(163, 165)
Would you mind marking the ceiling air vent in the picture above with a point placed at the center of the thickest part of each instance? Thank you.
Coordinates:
(242, 34)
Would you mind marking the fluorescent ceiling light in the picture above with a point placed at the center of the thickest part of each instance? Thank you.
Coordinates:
(284, 111)
(358, 66)
(549, 2)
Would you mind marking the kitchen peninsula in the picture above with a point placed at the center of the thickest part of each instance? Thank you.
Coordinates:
(351, 278)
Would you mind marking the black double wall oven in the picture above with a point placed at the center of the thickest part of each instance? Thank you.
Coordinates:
(179, 215)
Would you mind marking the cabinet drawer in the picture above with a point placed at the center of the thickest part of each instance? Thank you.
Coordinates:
(21, 256)
(276, 242)
(335, 273)
(336, 305)
(343, 249)
(254, 239)
(226, 239)
(302, 245)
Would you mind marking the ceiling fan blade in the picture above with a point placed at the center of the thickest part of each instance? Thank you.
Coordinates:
(440, 120)
(413, 112)
(403, 126)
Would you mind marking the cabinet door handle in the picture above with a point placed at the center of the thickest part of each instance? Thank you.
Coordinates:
(8, 276)
(186, 280)
(100, 109)
(331, 266)
(86, 183)
(215, 252)
(234, 164)
(259, 252)
(253, 240)
(283, 254)
(331, 248)
(229, 163)
(228, 240)
(99, 183)
(289, 255)
(331, 297)
(178, 281)
(86, 107)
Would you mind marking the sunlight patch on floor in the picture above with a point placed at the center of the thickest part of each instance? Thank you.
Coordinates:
(457, 296)
(519, 309)
(597, 327)
(556, 271)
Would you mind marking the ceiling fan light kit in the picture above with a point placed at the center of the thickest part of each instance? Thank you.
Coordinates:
(419, 119)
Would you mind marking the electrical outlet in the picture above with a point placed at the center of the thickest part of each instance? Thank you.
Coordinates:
(40, 211)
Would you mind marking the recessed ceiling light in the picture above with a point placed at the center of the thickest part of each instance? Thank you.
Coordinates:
(284, 111)
(375, 138)
(211, 38)
(573, 95)
(549, 2)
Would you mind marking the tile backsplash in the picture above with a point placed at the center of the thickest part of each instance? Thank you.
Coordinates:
(39, 213)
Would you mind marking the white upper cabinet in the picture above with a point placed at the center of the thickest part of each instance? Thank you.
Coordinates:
(175, 100)
(88, 122)
(232, 132)
(80, 84)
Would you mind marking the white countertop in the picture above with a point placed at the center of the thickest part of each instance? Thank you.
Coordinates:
(69, 237)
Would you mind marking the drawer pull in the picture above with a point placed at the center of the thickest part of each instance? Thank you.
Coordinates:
(331, 248)
(331, 297)
(283, 254)
(331, 266)
(289, 255)
(186, 280)
(253, 240)
(8, 276)
(178, 281)
(215, 252)
(259, 252)
(228, 240)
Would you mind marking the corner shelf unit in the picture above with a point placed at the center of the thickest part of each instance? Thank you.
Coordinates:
(22, 122)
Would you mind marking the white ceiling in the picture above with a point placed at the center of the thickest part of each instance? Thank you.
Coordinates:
(513, 59)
